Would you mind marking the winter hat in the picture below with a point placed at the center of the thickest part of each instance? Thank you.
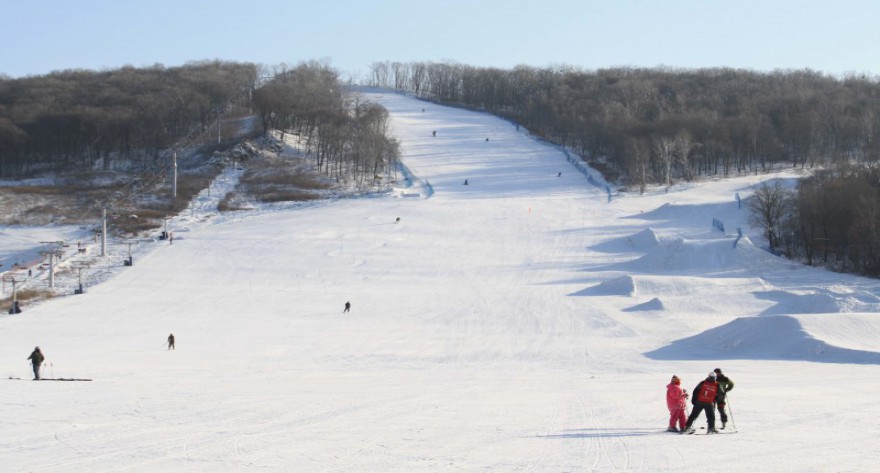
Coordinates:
(712, 375)
(675, 379)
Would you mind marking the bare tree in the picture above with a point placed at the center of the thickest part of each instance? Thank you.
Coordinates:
(769, 206)
(380, 74)
(400, 73)
(665, 149)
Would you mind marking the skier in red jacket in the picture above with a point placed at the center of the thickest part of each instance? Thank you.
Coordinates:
(703, 399)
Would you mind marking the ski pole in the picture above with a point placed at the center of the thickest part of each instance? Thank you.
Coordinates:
(730, 410)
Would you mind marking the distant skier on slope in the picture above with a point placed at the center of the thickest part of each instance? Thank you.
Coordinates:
(36, 361)
(347, 307)
(676, 401)
(171, 341)
(726, 385)
(703, 399)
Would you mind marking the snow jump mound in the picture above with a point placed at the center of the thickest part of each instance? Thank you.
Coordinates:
(621, 286)
(673, 286)
(654, 304)
(826, 338)
(820, 302)
(717, 255)
(644, 240)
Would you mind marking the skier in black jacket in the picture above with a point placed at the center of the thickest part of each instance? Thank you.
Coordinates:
(725, 385)
(703, 399)
(36, 361)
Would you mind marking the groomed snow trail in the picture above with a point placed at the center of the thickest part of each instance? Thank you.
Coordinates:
(477, 340)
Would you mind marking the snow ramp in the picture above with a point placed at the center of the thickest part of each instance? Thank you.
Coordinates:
(705, 257)
(620, 286)
(673, 286)
(820, 301)
(824, 338)
(643, 240)
(654, 304)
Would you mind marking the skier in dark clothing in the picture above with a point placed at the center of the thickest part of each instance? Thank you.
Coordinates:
(36, 361)
(703, 399)
(171, 341)
(726, 385)
(347, 307)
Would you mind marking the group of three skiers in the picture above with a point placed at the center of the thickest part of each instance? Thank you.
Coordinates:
(709, 392)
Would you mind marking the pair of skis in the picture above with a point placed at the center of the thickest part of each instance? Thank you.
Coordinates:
(717, 432)
(52, 379)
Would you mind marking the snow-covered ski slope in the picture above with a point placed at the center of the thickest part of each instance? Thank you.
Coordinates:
(519, 323)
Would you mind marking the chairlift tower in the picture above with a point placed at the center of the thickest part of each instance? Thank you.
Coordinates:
(80, 266)
(129, 261)
(14, 308)
(165, 231)
(55, 252)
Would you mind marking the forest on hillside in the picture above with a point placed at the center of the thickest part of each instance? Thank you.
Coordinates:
(116, 139)
(347, 138)
(130, 119)
(117, 119)
(642, 126)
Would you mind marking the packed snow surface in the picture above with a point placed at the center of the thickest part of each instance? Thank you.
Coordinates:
(520, 322)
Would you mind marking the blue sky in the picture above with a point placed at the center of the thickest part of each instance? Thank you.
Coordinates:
(835, 37)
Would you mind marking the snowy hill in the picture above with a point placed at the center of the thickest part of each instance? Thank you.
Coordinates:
(520, 322)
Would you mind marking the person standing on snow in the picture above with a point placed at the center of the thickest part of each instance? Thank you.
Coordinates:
(676, 401)
(726, 385)
(171, 341)
(36, 361)
(703, 399)
(347, 307)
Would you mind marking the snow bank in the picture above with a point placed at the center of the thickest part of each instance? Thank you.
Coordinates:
(827, 338)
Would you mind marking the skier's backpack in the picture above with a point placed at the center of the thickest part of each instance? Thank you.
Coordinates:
(707, 392)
